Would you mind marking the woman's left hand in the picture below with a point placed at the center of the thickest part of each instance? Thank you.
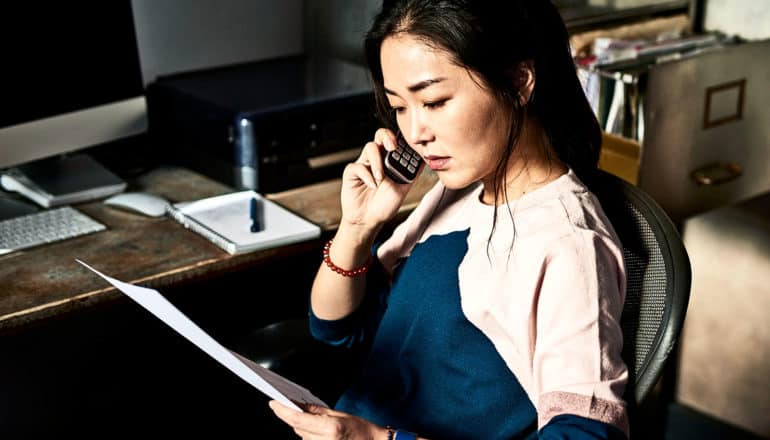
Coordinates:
(324, 423)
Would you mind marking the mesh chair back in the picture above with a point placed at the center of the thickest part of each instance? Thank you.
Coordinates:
(658, 279)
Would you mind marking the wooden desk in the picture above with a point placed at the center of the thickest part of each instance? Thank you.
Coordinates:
(46, 281)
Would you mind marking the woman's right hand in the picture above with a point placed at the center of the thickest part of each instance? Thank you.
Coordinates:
(369, 199)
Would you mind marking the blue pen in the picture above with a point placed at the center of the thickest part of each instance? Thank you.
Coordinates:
(256, 215)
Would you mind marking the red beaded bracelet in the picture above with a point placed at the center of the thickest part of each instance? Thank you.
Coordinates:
(345, 273)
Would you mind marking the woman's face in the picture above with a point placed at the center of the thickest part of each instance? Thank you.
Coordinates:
(443, 112)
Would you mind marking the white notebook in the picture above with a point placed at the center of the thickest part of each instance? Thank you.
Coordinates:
(226, 221)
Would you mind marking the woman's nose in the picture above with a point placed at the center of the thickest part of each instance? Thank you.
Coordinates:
(418, 132)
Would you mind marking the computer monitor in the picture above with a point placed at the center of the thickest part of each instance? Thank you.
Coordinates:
(70, 78)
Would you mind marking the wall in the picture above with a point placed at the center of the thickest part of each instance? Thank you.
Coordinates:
(182, 35)
(337, 27)
(749, 19)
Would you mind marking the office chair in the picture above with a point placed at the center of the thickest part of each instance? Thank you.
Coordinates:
(658, 279)
(657, 290)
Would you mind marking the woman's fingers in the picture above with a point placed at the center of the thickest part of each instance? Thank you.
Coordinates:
(317, 423)
(371, 156)
(358, 172)
(374, 153)
(304, 422)
(315, 409)
(386, 138)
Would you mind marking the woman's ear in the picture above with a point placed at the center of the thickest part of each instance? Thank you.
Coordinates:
(524, 80)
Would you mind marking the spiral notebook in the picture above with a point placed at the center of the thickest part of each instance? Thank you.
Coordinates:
(227, 221)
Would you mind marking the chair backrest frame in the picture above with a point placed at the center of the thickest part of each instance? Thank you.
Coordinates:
(653, 248)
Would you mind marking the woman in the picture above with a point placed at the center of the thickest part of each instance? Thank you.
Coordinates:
(493, 310)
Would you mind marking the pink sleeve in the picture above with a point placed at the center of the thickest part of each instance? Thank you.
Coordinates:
(577, 365)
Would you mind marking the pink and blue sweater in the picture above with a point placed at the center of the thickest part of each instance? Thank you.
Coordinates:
(513, 337)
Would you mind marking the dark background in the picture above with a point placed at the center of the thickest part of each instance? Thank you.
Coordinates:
(116, 370)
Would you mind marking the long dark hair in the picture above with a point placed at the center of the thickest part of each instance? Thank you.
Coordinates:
(492, 39)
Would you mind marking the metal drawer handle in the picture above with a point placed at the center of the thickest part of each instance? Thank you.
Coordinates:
(716, 173)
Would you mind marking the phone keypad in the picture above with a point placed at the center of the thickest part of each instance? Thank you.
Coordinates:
(407, 159)
(403, 162)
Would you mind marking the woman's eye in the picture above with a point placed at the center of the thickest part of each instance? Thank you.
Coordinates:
(435, 104)
(397, 110)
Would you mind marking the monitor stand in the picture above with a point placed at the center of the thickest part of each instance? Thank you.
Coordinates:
(11, 207)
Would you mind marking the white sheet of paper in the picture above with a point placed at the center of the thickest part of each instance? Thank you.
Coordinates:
(273, 385)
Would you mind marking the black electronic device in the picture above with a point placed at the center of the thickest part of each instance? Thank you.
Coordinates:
(270, 125)
(62, 93)
(402, 164)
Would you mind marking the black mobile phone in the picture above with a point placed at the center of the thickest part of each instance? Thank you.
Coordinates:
(402, 164)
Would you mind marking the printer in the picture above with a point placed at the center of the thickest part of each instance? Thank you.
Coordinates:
(269, 125)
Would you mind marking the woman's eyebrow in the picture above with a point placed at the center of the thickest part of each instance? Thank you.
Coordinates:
(418, 86)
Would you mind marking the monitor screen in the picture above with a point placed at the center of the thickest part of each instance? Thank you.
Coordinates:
(70, 78)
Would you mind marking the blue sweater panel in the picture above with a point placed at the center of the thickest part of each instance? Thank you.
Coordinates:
(429, 369)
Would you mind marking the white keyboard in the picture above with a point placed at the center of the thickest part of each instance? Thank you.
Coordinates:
(45, 227)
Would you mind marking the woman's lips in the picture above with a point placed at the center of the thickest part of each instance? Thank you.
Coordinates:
(436, 162)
